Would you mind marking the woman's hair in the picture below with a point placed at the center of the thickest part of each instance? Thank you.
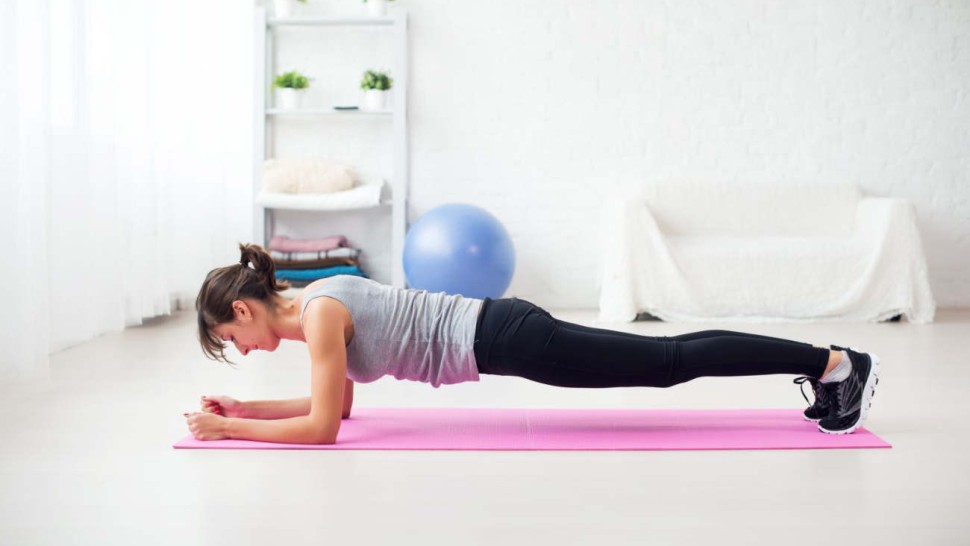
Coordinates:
(224, 285)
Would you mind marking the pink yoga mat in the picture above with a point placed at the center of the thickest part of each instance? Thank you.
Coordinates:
(569, 429)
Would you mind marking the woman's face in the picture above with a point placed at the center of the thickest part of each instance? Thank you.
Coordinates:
(250, 331)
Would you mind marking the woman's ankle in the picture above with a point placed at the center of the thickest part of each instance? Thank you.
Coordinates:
(834, 358)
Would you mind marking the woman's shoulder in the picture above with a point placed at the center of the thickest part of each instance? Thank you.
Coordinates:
(312, 290)
(315, 285)
(336, 279)
(330, 310)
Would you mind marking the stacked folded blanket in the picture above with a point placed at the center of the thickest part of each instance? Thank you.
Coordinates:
(306, 260)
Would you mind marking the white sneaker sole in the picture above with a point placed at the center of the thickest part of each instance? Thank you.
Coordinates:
(868, 391)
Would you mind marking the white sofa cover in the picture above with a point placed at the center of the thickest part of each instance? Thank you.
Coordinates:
(702, 250)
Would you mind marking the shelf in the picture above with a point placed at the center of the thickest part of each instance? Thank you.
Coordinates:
(366, 219)
(308, 112)
(363, 196)
(300, 206)
(334, 21)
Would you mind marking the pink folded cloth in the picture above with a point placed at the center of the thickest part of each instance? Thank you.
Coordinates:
(285, 244)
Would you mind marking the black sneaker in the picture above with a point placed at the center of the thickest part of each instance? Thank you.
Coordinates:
(851, 399)
(820, 407)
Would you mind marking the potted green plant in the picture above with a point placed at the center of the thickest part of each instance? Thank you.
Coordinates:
(290, 87)
(375, 85)
(376, 8)
(284, 8)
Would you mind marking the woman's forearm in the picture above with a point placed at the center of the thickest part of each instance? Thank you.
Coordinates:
(295, 430)
(276, 409)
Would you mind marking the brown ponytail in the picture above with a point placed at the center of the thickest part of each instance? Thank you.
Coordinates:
(224, 285)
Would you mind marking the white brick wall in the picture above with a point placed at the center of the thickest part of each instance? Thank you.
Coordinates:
(532, 109)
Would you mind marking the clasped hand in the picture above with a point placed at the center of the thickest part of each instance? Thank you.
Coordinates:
(207, 425)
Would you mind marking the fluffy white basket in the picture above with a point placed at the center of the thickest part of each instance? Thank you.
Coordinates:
(307, 175)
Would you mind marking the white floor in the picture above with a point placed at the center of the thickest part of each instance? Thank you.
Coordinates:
(87, 459)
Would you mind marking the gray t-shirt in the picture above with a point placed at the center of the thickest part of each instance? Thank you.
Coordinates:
(408, 333)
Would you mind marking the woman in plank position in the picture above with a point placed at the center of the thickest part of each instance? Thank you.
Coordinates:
(358, 330)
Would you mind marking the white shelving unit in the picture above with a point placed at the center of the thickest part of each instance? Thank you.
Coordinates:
(265, 116)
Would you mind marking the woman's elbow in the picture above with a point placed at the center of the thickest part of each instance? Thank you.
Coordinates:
(319, 433)
(324, 439)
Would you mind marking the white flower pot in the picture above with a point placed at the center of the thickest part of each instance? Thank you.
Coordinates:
(284, 8)
(288, 98)
(374, 99)
(377, 8)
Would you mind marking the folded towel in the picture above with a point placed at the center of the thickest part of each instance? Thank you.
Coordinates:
(313, 274)
(286, 244)
(313, 264)
(342, 252)
(306, 175)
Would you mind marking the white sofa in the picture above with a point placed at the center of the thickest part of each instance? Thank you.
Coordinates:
(703, 250)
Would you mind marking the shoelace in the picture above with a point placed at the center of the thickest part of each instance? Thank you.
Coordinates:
(800, 381)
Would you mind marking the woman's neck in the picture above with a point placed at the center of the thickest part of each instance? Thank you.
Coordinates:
(286, 322)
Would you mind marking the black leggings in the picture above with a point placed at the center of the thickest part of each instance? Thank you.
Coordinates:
(516, 337)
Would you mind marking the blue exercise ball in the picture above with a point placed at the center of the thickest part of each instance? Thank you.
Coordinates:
(459, 249)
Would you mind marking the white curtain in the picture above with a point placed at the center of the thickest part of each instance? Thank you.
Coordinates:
(125, 164)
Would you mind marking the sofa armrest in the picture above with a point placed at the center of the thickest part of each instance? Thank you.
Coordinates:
(876, 216)
(631, 243)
